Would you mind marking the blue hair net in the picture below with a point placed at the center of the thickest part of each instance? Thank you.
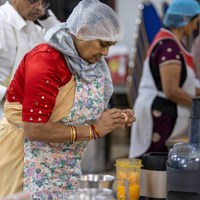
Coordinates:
(180, 12)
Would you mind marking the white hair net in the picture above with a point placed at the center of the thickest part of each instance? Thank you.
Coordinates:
(92, 20)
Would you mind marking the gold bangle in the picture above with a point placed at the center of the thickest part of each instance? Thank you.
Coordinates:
(96, 132)
(71, 133)
(76, 135)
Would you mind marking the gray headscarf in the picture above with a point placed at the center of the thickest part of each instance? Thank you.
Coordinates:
(60, 38)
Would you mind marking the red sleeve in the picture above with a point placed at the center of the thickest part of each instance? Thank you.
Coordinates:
(45, 73)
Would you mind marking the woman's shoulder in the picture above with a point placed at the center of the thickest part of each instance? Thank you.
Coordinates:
(44, 47)
(167, 42)
(49, 59)
(166, 50)
(46, 53)
(166, 46)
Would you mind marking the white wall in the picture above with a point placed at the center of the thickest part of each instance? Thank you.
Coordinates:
(128, 12)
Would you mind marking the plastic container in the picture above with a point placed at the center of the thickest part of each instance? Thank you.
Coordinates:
(183, 165)
(184, 157)
(130, 169)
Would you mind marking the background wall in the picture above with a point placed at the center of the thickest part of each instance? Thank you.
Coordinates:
(128, 12)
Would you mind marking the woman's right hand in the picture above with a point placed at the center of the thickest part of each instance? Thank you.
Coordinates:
(109, 120)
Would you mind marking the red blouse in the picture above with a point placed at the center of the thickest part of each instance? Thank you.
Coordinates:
(36, 82)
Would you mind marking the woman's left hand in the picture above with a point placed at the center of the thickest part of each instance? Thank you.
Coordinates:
(129, 116)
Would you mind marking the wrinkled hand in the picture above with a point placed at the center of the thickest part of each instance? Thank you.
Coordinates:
(130, 117)
(113, 118)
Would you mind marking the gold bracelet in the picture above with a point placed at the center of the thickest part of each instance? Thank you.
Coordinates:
(71, 133)
(95, 131)
(74, 134)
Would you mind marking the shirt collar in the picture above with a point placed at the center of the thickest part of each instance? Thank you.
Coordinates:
(14, 18)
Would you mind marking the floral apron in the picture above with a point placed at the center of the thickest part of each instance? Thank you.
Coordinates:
(52, 169)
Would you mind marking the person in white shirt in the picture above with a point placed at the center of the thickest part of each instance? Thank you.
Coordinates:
(2, 2)
(19, 34)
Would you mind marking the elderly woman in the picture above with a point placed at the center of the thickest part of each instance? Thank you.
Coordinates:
(57, 102)
(167, 84)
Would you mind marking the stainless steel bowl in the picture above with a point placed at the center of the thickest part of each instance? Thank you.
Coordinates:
(91, 194)
(96, 181)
